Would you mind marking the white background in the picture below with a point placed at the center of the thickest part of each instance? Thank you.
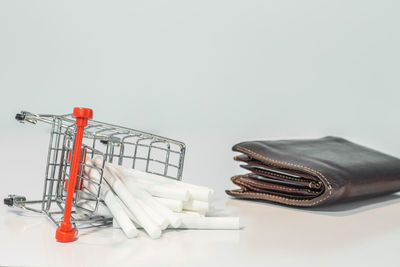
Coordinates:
(208, 73)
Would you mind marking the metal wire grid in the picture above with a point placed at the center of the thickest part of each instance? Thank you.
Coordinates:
(124, 146)
(115, 144)
(56, 175)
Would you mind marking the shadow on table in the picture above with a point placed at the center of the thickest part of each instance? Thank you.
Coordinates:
(341, 209)
(357, 206)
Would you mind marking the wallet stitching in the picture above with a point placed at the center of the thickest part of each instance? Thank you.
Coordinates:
(275, 186)
(282, 176)
(247, 194)
(292, 165)
(240, 183)
(287, 177)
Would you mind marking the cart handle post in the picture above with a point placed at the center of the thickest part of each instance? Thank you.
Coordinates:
(66, 232)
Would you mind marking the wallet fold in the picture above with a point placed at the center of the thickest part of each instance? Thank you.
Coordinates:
(313, 172)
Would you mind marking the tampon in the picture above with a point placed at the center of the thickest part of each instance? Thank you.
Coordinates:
(165, 191)
(115, 224)
(161, 190)
(127, 211)
(156, 217)
(102, 210)
(153, 230)
(197, 192)
(206, 223)
(131, 216)
(151, 211)
(172, 204)
(196, 213)
(120, 216)
(116, 210)
(216, 223)
(148, 200)
(196, 205)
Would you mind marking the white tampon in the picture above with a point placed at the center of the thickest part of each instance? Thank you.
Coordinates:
(196, 205)
(196, 213)
(172, 204)
(160, 220)
(161, 190)
(115, 224)
(165, 191)
(216, 223)
(148, 200)
(152, 229)
(200, 194)
(197, 192)
(120, 216)
(206, 223)
(102, 209)
(156, 217)
(116, 210)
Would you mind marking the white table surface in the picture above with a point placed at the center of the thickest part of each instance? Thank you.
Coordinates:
(361, 234)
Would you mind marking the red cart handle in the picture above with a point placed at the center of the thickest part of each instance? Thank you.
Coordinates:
(65, 232)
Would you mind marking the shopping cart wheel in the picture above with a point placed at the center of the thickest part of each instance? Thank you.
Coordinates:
(11, 200)
(8, 201)
(20, 117)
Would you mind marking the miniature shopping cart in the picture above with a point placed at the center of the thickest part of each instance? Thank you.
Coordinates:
(73, 138)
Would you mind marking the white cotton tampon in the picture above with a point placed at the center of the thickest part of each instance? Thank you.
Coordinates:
(120, 216)
(152, 229)
(116, 210)
(196, 205)
(151, 211)
(205, 223)
(148, 200)
(200, 194)
(196, 213)
(115, 224)
(102, 209)
(172, 204)
(173, 220)
(151, 191)
(165, 191)
(156, 217)
(197, 192)
(212, 223)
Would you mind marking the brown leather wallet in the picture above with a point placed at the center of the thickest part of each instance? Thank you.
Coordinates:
(313, 172)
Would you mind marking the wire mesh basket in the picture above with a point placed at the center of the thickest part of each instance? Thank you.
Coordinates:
(70, 142)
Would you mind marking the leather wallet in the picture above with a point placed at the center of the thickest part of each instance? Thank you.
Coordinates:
(313, 172)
